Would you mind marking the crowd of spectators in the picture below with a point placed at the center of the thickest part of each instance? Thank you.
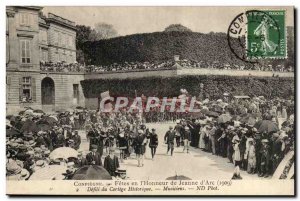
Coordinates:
(33, 136)
(254, 134)
(232, 66)
(126, 66)
(132, 66)
(61, 67)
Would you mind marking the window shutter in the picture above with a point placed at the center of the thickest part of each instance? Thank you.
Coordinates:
(33, 89)
(20, 88)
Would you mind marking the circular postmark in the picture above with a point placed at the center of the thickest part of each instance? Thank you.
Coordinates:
(253, 35)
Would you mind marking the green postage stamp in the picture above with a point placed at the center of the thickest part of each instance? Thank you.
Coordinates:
(266, 34)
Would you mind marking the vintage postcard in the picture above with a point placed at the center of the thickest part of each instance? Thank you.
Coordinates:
(150, 101)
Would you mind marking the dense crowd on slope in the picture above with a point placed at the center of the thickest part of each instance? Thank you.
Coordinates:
(131, 66)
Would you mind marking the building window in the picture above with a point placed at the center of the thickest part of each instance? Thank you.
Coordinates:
(25, 51)
(25, 19)
(26, 89)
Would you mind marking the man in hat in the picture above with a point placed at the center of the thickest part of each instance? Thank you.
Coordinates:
(40, 139)
(111, 162)
(94, 158)
(258, 153)
(60, 139)
(153, 142)
(53, 136)
(81, 160)
(121, 173)
(77, 140)
(169, 139)
(100, 140)
(277, 155)
(29, 162)
(70, 170)
(186, 139)
(178, 130)
(48, 140)
(123, 144)
(93, 136)
(67, 131)
(265, 159)
(138, 144)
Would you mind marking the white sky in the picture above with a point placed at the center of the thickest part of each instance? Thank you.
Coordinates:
(131, 20)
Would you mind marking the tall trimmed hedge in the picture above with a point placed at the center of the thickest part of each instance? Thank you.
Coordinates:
(214, 86)
(162, 46)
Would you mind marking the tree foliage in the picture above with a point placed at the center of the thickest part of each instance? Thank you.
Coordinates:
(177, 27)
(86, 33)
(105, 31)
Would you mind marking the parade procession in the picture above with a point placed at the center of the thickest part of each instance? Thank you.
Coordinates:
(100, 102)
(253, 134)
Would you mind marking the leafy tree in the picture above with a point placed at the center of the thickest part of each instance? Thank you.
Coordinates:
(103, 31)
(82, 35)
(86, 33)
(177, 27)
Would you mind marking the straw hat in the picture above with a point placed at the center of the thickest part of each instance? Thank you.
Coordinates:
(40, 163)
(13, 168)
(24, 174)
(31, 143)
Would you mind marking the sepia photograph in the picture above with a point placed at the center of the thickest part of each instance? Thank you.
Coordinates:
(150, 100)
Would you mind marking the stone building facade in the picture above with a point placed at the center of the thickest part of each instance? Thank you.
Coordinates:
(32, 38)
